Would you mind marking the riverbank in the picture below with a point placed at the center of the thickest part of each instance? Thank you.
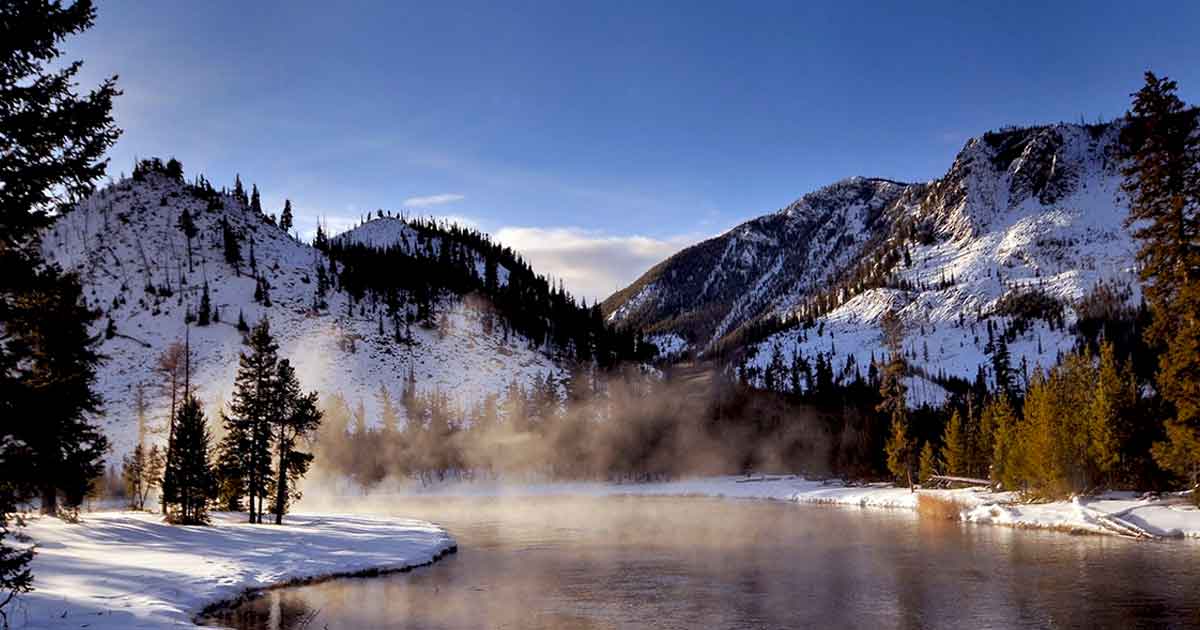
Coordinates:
(1116, 513)
(131, 570)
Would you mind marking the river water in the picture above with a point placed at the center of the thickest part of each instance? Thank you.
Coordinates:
(642, 562)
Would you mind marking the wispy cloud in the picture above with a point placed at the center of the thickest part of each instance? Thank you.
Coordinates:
(592, 264)
(432, 200)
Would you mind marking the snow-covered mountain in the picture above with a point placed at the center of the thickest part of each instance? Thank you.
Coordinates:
(1024, 225)
(127, 246)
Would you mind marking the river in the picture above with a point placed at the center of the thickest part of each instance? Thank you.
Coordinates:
(642, 562)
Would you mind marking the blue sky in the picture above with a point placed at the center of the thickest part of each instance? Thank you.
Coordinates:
(600, 137)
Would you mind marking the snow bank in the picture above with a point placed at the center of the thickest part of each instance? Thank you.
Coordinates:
(131, 570)
(1121, 514)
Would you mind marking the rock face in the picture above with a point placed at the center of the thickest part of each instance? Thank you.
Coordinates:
(1032, 211)
(126, 244)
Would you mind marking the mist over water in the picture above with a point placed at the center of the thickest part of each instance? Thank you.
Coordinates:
(639, 562)
(628, 426)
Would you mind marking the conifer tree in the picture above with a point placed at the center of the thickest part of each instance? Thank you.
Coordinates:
(193, 482)
(242, 326)
(255, 201)
(956, 451)
(1110, 416)
(141, 471)
(233, 249)
(204, 316)
(246, 448)
(1162, 178)
(53, 143)
(900, 447)
(239, 191)
(1002, 426)
(48, 324)
(295, 417)
(187, 225)
(929, 463)
(285, 218)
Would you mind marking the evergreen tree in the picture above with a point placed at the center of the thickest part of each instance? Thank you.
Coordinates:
(53, 142)
(229, 470)
(1002, 426)
(204, 316)
(956, 451)
(48, 327)
(246, 448)
(900, 447)
(285, 218)
(193, 482)
(255, 201)
(233, 249)
(141, 471)
(295, 417)
(174, 170)
(1110, 416)
(1002, 367)
(929, 464)
(239, 191)
(1162, 179)
(187, 225)
(242, 326)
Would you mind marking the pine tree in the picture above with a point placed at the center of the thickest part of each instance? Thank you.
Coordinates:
(193, 482)
(48, 325)
(242, 326)
(187, 225)
(204, 316)
(1110, 416)
(957, 446)
(246, 449)
(295, 417)
(1162, 178)
(929, 463)
(285, 218)
(138, 472)
(255, 201)
(1002, 367)
(900, 447)
(239, 191)
(232, 247)
(1001, 424)
(53, 142)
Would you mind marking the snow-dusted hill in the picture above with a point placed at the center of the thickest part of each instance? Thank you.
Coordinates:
(133, 258)
(1023, 217)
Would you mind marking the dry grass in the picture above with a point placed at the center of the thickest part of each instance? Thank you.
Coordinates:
(938, 506)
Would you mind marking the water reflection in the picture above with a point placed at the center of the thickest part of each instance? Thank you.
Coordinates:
(697, 563)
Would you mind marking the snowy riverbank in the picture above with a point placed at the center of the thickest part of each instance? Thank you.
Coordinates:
(131, 570)
(1114, 513)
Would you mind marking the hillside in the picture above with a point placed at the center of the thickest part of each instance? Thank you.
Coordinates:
(1008, 243)
(126, 243)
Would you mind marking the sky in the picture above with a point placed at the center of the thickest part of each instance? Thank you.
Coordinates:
(598, 138)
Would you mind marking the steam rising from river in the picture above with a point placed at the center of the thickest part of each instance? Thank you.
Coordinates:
(637, 427)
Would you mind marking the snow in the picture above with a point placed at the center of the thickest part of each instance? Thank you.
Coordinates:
(1114, 513)
(125, 237)
(131, 570)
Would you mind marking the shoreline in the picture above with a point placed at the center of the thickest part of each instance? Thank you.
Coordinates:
(130, 569)
(1123, 514)
(250, 594)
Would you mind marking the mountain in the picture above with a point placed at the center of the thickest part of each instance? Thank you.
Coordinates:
(1019, 239)
(126, 243)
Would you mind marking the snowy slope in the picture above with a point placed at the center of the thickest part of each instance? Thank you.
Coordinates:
(125, 238)
(1021, 211)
